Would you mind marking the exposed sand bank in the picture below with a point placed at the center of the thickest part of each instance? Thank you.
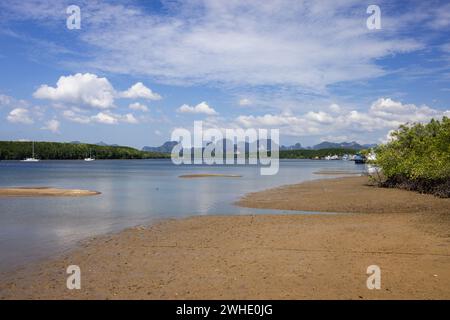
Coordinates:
(346, 195)
(210, 175)
(267, 256)
(44, 192)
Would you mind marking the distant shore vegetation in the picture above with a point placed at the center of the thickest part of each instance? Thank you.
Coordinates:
(418, 158)
(17, 150)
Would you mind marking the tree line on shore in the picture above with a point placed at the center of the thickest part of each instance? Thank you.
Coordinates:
(17, 150)
(313, 154)
(418, 158)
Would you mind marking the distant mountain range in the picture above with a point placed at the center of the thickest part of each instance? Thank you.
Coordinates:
(165, 148)
(104, 144)
(342, 145)
(330, 145)
(296, 146)
(168, 146)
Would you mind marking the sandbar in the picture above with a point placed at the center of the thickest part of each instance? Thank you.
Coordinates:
(44, 192)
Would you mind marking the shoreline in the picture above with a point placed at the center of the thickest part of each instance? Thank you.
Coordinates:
(284, 256)
(208, 175)
(343, 195)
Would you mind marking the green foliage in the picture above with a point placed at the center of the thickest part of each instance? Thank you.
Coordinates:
(311, 154)
(418, 151)
(14, 150)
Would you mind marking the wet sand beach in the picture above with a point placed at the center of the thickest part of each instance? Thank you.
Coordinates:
(291, 256)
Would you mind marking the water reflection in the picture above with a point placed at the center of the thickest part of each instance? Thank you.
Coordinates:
(133, 192)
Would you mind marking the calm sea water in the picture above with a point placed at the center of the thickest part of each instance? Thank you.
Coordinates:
(133, 192)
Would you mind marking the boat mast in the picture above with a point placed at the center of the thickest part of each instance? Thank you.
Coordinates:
(32, 154)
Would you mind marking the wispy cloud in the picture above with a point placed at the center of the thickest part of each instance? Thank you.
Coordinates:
(309, 44)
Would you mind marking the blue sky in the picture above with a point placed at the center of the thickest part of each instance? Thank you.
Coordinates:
(136, 70)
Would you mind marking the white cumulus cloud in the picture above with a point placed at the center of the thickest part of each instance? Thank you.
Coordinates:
(103, 117)
(129, 118)
(85, 89)
(76, 117)
(139, 90)
(383, 115)
(90, 90)
(321, 117)
(138, 107)
(20, 115)
(335, 108)
(201, 108)
(52, 125)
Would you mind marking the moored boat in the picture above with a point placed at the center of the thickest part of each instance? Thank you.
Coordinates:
(359, 159)
(32, 159)
(89, 159)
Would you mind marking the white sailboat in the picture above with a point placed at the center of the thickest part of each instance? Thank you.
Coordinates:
(90, 157)
(32, 159)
